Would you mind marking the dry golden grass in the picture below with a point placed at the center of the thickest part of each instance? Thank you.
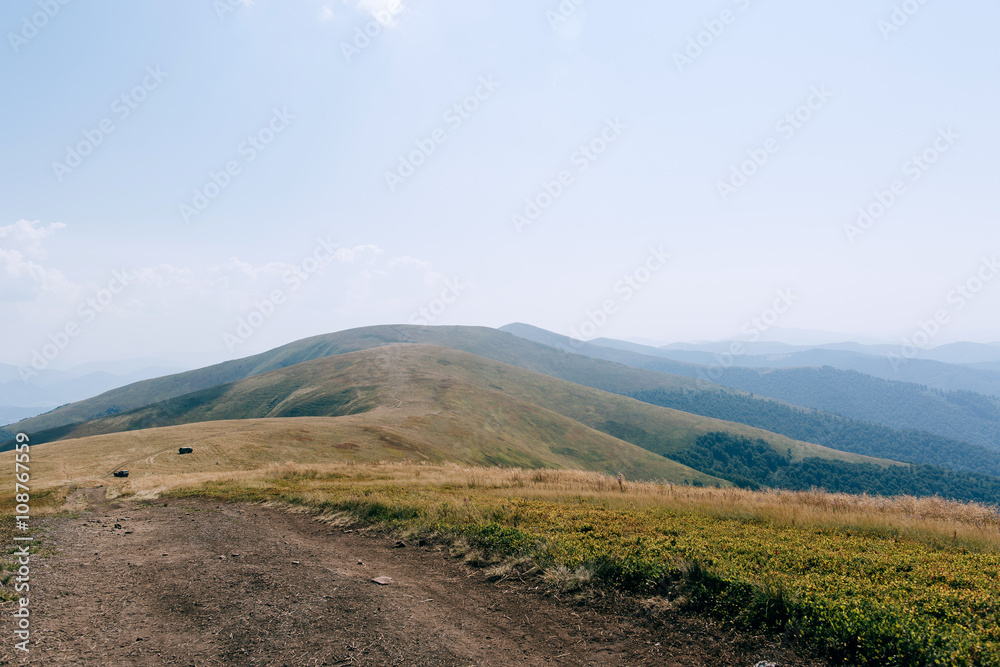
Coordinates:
(974, 524)
(414, 434)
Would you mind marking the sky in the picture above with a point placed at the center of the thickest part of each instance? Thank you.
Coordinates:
(211, 179)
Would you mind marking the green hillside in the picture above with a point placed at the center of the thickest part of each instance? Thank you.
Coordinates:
(830, 430)
(452, 380)
(482, 341)
(405, 402)
(434, 399)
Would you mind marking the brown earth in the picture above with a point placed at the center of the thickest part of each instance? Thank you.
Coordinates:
(202, 583)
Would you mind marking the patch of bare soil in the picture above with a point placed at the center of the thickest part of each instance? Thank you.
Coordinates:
(203, 583)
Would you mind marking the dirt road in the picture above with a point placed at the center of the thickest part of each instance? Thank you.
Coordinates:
(202, 583)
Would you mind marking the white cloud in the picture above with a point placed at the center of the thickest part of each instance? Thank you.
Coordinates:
(170, 306)
(361, 278)
(325, 13)
(357, 253)
(29, 235)
(22, 275)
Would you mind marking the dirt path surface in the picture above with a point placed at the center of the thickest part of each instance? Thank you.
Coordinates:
(203, 583)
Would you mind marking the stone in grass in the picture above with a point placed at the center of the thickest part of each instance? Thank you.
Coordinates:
(382, 581)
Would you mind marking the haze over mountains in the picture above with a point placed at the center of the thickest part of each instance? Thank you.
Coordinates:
(487, 396)
(938, 374)
(951, 353)
(25, 393)
(962, 414)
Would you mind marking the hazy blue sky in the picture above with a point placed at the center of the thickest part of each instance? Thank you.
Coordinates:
(358, 193)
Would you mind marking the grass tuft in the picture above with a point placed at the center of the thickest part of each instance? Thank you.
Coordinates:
(564, 580)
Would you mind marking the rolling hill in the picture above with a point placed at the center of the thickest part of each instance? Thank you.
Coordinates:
(482, 341)
(435, 404)
(452, 383)
(604, 374)
(414, 402)
(399, 403)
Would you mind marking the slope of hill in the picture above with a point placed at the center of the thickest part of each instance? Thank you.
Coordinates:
(993, 366)
(483, 341)
(23, 398)
(960, 415)
(964, 353)
(453, 383)
(824, 428)
(406, 402)
(11, 414)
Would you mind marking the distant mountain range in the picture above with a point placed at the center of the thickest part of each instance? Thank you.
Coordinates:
(960, 415)
(480, 395)
(43, 391)
(951, 353)
(982, 377)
